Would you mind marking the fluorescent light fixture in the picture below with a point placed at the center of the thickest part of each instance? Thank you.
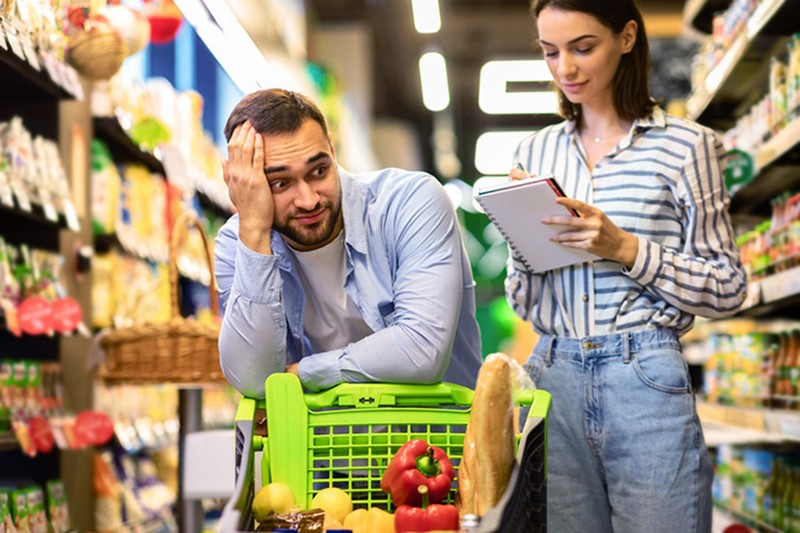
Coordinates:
(494, 151)
(234, 49)
(495, 99)
(433, 75)
(427, 18)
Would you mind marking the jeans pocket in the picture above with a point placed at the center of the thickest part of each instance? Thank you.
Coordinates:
(664, 370)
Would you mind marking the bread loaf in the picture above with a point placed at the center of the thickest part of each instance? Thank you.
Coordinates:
(488, 456)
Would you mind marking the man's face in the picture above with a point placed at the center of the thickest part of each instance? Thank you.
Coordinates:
(304, 181)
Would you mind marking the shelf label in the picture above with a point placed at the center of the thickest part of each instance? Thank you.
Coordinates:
(781, 285)
(35, 315)
(49, 208)
(93, 428)
(6, 194)
(70, 215)
(67, 314)
(72, 82)
(30, 53)
(11, 35)
(22, 196)
(785, 423)
(47, 60)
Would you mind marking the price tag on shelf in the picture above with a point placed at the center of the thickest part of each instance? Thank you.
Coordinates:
(72, 82)
(71, 216)
(13, 41)
(6, 194)
(786, 423)
(48, 60)
(35, 316)
(30, 52)
(49, 207)
(21, 194)
(67, 314)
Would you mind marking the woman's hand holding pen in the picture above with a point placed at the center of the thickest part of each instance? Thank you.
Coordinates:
(594, 232)
(248, 187)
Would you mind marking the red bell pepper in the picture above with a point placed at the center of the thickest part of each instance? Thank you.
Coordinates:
(435, 517)
(418, 463)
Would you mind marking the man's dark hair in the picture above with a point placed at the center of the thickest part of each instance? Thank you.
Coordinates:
(632, 80)
(274, 111)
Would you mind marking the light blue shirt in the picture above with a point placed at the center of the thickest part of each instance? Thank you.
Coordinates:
(407, 273)
(664, 184)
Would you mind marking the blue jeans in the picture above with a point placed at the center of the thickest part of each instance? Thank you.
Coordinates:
(625, 448)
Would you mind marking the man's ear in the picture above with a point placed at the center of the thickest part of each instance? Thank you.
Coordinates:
(629, 36)
(330, 144)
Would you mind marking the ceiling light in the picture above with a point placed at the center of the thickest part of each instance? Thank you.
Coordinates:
(427, 18)
(495, 98)
(433, 75)
(494, 151)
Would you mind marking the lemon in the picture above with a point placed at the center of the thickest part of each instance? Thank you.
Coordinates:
(334, 501)
(274, 497)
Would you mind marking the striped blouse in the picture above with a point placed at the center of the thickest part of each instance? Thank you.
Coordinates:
(663, 183)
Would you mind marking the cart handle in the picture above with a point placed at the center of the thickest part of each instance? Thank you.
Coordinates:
(369, 395)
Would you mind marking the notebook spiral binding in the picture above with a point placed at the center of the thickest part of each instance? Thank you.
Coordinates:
(517, 255)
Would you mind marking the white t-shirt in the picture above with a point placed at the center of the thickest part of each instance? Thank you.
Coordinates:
(332, 320)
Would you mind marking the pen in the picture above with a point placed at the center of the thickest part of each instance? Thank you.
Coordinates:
(521, 167)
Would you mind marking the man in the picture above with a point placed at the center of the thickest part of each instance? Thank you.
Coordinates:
(333, 276)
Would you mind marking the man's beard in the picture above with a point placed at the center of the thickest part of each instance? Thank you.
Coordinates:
(315, 234)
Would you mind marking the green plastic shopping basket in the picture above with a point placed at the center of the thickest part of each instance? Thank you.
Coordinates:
(346, 436)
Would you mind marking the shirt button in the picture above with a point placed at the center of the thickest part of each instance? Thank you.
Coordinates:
(585, 298)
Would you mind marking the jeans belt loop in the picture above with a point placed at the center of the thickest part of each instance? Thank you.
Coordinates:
(626, 348)
(548, 353)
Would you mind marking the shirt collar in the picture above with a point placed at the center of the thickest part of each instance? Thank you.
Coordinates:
(656, 119)
(352, 212)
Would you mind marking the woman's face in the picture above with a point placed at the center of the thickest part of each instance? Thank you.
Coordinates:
(583, 54)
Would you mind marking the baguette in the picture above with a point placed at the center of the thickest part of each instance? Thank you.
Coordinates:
(488, 456)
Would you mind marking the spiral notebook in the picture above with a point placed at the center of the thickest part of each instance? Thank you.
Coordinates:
(517, 207)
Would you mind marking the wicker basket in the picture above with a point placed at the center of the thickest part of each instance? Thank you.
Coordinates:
(97, 51)
(181, 350)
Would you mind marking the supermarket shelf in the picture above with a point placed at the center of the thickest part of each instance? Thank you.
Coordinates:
(30, 227)
(748, 424)
(775, 293)
(742, 71)
(782, 145)
(30, 84)
(745, 518)
(776, 163)
(122, 146)
(717, 434)
(169, 163)
(8, 442)
(699, 14)
(151, 251)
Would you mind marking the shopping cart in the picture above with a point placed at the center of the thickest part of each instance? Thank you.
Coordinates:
(346, 436)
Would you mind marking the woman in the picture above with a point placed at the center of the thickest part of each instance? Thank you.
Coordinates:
(626, 451)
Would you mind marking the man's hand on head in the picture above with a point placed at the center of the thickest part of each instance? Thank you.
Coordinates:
(248, 187)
